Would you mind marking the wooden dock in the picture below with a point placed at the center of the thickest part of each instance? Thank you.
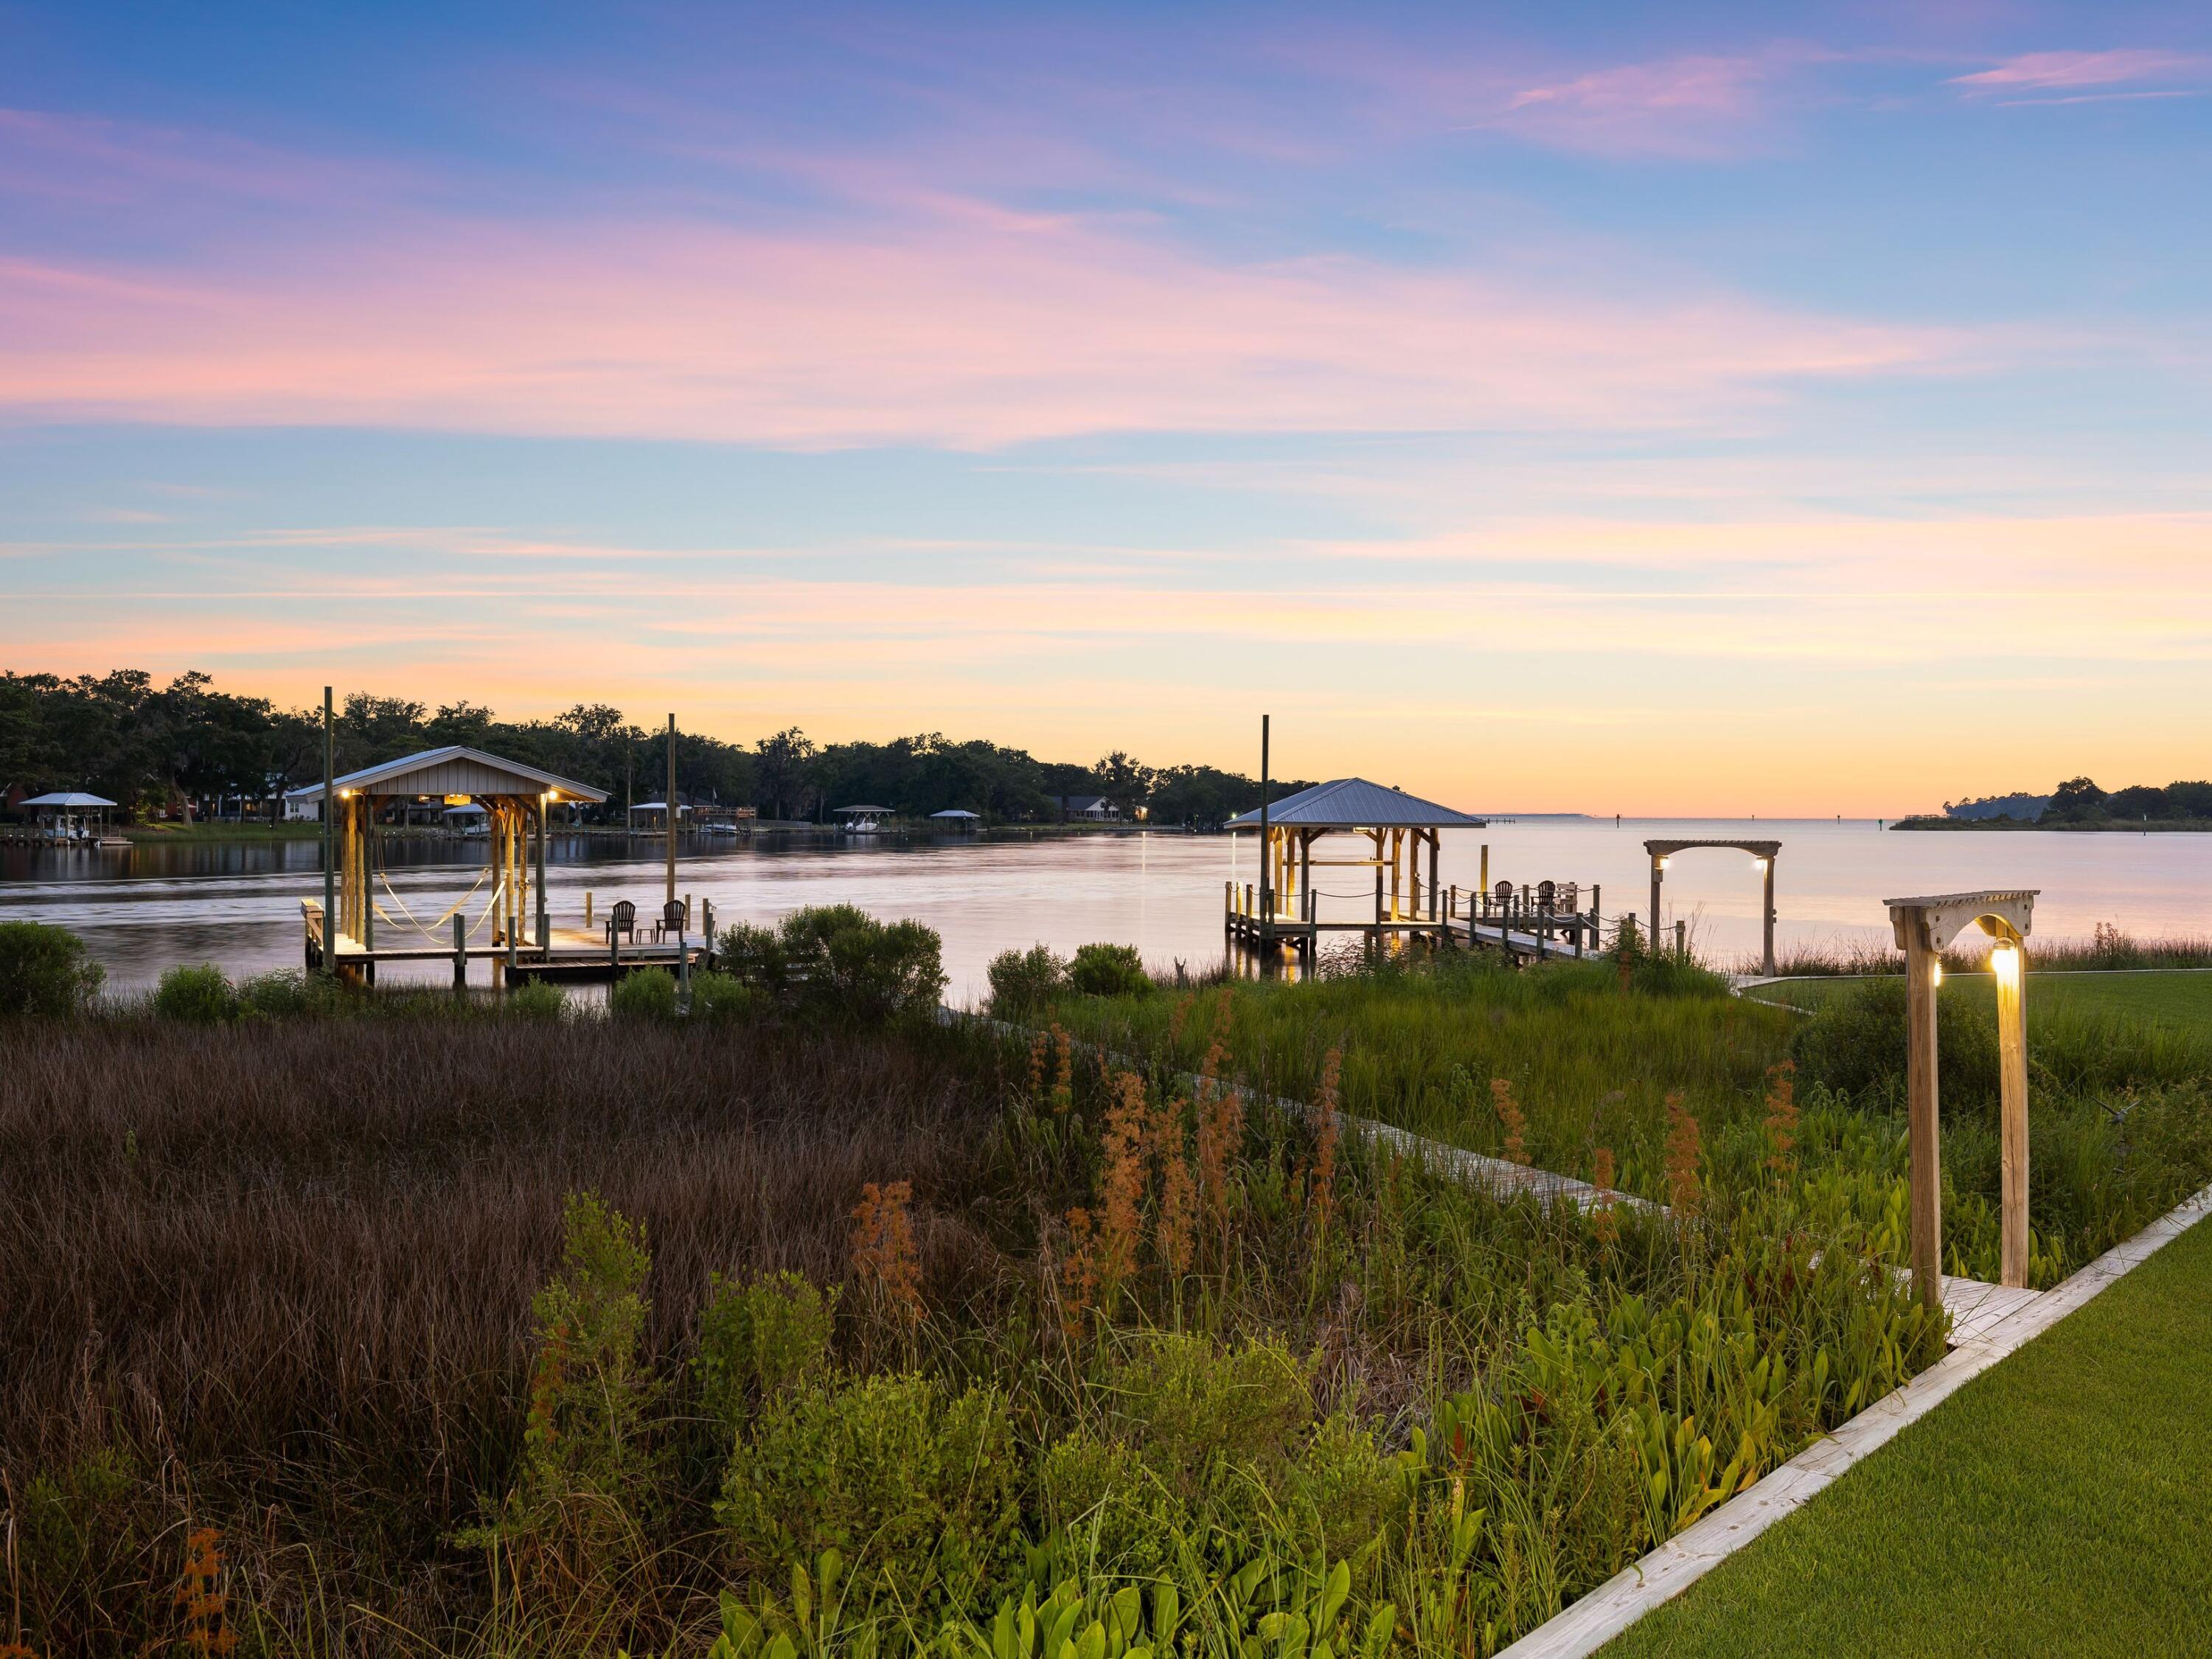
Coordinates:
(1514, 922)
(569, 955)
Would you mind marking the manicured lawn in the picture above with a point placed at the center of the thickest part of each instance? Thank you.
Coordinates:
(2057, 1504)
(2181, 999)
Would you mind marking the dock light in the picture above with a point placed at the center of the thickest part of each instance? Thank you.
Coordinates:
(2004, 962)
(1934, 975)
(1663, 863)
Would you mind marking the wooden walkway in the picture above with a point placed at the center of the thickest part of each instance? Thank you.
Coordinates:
(573, 955)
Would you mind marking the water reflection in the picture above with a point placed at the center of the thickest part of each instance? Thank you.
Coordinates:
(237, 904)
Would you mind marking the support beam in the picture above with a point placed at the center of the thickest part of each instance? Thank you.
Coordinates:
(1768, 911)
(1922, 964)
(330, 956)
(2009, 964)
(669, 801)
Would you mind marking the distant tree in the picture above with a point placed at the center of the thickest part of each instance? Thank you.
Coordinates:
(2189, 800)
(1124, 782)
(781, 770)
(2074, 799)
(2139, 800)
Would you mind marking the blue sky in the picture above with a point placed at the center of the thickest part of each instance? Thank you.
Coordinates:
(1610, 408)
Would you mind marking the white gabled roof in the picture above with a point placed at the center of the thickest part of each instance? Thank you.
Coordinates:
(1355, 803)
(69, 799)
(456, 769)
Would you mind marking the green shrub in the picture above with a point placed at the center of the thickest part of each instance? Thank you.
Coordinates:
(722, 997)
(1023, 981)
(836, 963)
(195, 996)
(647, 993)
(914, 1485)
(758, 1338)
(754, 956)
(45, 971)
(1196, 1442)
(536, 1000)
(1854, 1042)
(1114, 1512)
(1107, 971)
(573, 1519)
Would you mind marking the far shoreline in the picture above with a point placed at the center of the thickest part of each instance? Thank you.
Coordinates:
(2107, 826)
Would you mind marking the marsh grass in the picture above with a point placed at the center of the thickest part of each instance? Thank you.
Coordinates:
(1590, 1064)
(282, 1272)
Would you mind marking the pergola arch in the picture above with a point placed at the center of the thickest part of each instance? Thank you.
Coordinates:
(1661, 850)
(1924, 927)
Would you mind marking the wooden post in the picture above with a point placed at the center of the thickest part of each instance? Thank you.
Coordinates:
(706, 927)
(588, 907)
(1436, 912)
(326, 949)
(545, 922)
(1484, 887)
(670, 814)
(2008, 962)
(1921, 963)
(1657, 863)
(368, 878)
(1266, 842)
(1769, 862)
(1682, 939)
(460, 953)
(1378, 878)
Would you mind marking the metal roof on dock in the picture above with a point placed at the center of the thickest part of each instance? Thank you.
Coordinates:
(455, 769)
(1355, 803)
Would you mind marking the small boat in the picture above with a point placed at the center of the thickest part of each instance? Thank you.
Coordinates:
(862, 820)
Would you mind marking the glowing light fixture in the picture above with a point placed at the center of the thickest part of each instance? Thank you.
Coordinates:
(1934, 975)
(2004, 962)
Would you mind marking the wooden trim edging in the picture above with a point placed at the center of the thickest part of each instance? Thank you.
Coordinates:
(1675, 1566)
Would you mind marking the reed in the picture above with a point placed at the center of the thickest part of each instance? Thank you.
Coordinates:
(1542, 1066)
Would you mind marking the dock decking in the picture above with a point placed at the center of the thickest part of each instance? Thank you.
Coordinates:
(573, 955)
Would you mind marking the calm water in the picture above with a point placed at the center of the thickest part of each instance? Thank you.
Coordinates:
(143, 910)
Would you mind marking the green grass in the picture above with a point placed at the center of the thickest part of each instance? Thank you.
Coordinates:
(1591, 1064)
(2055, 1505)
(2181, 1001)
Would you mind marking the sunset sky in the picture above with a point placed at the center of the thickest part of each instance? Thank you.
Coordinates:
(1688, 409)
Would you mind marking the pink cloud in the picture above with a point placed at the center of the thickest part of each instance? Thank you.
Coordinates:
(1695, 107)
(2054, 70)
(964, 328)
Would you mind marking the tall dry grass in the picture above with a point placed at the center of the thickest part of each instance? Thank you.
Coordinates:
(282, 1272)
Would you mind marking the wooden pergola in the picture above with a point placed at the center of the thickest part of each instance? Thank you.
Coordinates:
(1764, 852)
(1924, 927)
(1399, 828)
(517, 799)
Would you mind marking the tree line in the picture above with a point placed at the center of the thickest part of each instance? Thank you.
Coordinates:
(188, 749)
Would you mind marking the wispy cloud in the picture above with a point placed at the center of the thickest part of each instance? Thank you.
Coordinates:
(1700, 107)
(2048, 71)
(974, 328)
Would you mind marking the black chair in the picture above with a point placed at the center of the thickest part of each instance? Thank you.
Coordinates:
(672, 920)
(1547, 893)
(621, 919)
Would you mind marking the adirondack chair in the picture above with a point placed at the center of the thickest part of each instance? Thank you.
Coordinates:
(672, 920)
(1547, 895)
(622, 921)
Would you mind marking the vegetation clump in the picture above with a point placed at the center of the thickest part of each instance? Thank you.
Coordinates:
(1023, 982)
(46, 973)
(198, 996)
(836, 965)
(1107, 971)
